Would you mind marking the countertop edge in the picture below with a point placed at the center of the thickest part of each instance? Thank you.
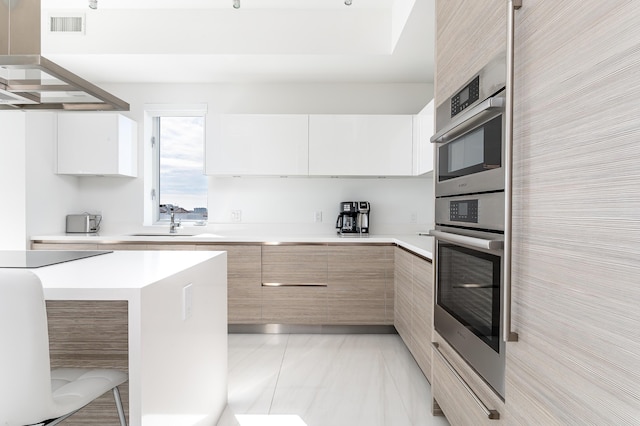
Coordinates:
(420, 245)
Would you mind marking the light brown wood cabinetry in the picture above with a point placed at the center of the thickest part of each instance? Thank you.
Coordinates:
(460, 393)
(244, 290)
(360, 284)
(575, 205)
(468, 35)
(413, 306)
(576, 222)
(298, 284)
(55, 246)
(294, 279)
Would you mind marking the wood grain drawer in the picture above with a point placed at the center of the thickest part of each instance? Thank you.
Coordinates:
(460, 393)
(294, 264)
(294, 305)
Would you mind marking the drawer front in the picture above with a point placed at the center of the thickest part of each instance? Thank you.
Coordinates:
(461, 402)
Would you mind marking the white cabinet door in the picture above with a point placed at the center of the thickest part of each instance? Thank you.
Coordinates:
(97, 144)
(360, 145)
(423, 148)
(258, 145)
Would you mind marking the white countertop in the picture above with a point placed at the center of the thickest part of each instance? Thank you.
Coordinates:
(421, 245)
(115, 276)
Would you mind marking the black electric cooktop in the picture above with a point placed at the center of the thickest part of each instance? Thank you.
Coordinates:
(38, 258)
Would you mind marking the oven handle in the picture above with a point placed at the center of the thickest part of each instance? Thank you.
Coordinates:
(477, 243)
(468, 119)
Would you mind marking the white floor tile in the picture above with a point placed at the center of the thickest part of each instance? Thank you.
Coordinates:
(325, 380)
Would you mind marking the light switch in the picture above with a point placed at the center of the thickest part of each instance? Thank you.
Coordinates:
(187, 301)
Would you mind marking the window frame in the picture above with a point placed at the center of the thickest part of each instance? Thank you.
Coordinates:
(153, 111)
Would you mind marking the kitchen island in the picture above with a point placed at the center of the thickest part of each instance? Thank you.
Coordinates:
(173, 308)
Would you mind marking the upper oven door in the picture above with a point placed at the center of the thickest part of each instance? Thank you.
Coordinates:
(470, 150)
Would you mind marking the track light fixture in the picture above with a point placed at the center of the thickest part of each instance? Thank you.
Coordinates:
(236, 4)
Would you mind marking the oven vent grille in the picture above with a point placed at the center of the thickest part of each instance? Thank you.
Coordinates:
(67, 24)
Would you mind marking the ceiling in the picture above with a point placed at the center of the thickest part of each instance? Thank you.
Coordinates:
(265, 41)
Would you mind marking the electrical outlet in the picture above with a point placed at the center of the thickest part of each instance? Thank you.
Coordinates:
(187, 301)
(414, 218)
(317, 217)
(236, 215)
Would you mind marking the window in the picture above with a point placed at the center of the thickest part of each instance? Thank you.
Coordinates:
(179, 181)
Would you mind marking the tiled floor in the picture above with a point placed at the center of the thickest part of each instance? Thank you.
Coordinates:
(325, 380)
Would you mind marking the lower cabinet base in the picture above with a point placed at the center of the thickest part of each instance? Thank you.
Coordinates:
(310, 329)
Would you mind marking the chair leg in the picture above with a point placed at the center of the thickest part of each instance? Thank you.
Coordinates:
(116, 396)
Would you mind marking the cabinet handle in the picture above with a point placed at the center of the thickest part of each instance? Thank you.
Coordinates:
(491, 414)
(294, 284)
(507, 334)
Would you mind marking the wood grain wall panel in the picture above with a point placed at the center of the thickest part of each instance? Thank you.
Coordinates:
(576, 223)
(244, 285)
(468, 35)
(294, 264)
(91, 334)
(358, 277)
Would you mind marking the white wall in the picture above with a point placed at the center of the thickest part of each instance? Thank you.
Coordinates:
(12, 180)
(50, 197)
(34, 199)
(276, 202)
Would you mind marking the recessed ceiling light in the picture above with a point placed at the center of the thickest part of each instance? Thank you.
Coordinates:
(93, 4)
(347, 2)
(236, 4)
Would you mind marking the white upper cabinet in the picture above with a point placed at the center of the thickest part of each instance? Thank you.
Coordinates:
(423, 148)
(97, 144)
(257, 145)
(361, 145)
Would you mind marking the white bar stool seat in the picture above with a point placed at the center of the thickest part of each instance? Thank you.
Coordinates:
(30, 392)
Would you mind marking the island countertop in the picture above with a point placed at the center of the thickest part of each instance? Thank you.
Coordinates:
(119, 275)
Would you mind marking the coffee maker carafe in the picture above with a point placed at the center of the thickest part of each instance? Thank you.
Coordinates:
(353, 219)
(362, 221)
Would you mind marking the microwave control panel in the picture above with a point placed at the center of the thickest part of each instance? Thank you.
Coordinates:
(463, 211)
(465, 97)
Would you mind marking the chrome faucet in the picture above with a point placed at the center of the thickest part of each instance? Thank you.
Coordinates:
(173, 226)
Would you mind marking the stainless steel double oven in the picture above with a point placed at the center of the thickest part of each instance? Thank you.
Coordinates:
(470, 222)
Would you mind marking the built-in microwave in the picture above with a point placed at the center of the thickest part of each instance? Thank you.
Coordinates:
(470, 133)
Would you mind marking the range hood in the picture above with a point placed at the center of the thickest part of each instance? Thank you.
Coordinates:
(29, 81)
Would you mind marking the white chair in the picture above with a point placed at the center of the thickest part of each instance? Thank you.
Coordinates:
(30, 392)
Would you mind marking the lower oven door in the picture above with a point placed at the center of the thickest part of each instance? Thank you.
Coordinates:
(468, 311)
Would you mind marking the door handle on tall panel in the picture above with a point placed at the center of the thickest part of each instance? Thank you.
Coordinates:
(507, 334)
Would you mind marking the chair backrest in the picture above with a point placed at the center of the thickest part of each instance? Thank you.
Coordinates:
(25, 371)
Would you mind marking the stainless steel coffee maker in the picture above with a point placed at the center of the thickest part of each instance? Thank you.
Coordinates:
(353, 219)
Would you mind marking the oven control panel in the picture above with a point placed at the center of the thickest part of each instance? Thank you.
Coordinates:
(465, 97)
(463, 211)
